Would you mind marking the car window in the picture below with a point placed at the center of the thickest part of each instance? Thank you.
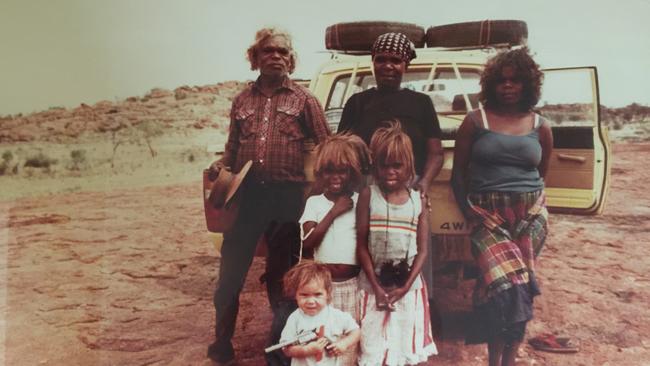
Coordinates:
(568, 98)
(447, 91)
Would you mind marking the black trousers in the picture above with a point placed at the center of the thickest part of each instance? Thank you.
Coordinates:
(271, 210)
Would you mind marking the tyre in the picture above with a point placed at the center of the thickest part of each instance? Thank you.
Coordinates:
(360, 36)
(477, 34)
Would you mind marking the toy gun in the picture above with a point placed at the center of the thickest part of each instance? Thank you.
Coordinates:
(303, 337)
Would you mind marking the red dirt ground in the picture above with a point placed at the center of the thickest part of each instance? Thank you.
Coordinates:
(126, 278)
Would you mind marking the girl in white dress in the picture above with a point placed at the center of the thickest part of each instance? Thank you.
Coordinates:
(392, 230)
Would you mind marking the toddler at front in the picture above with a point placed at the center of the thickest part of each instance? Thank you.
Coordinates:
(392, 240)
(311, 285)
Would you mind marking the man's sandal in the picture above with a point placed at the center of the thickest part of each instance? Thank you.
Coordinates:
(551, 343)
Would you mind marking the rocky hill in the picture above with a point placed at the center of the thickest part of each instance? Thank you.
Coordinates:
(194, 107)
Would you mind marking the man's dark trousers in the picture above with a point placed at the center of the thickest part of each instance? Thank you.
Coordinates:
(272, 210)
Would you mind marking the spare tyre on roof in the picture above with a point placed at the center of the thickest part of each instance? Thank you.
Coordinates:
(478, 34)
(360, 36)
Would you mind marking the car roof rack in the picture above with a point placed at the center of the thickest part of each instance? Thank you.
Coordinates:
(491, 47)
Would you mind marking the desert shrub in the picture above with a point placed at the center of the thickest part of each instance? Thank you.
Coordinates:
(196, 154)
(78, 158)
(7, 156)
(39, 160)
(141, 133)
(617, 125)
(627, 116)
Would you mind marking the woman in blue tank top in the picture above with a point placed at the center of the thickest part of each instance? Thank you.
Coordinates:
(500, 158)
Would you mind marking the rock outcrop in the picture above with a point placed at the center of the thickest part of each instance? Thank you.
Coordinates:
(185, 107)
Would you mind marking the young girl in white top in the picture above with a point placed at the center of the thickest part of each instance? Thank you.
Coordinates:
(310, 283)
(392, 230)
(328, 221)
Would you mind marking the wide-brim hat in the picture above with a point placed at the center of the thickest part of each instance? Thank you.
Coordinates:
(226, 185)
(220, 201)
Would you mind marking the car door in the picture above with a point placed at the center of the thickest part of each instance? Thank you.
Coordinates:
(578, 176)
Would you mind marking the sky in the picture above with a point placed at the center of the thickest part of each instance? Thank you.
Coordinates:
(67, 52)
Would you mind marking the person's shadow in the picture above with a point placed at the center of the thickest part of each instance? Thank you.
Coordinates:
(451, 305)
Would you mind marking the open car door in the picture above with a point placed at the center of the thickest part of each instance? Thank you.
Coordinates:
(578, 177)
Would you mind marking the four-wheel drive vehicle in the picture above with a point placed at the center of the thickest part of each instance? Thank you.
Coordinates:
(448, 70)
(578, 177)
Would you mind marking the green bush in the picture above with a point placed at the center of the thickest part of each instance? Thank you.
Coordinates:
(618, 125)
(7, 156)
(78, 159)
(39, 160)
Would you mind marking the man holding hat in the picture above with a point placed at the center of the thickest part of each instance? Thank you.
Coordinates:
(269, 122)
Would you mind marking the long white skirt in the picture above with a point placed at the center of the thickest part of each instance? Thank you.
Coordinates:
(400, 337)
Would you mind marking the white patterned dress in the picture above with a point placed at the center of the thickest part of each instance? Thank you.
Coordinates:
(403, 336)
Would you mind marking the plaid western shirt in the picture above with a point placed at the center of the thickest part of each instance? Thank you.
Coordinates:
(271, 130)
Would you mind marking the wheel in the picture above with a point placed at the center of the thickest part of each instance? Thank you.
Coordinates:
(479, 33)
(360, 36)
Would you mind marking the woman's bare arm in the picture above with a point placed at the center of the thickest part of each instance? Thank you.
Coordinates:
(462, 153)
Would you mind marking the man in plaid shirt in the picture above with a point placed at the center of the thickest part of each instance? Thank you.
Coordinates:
(269, 122)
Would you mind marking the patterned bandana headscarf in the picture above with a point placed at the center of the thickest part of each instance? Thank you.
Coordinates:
(395, 43)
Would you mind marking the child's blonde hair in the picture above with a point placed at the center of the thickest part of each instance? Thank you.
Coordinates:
(343, 150)
(304, 272)
(390, 143)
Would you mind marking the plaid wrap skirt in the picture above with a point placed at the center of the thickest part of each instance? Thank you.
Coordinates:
(505, 243)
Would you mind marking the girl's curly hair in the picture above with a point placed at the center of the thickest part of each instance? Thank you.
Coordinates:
(302, 273)
(525, 69)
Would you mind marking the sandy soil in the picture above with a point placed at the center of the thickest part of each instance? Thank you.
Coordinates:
(124, 276)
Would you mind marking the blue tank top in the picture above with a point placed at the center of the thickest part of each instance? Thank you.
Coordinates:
(504, 163)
